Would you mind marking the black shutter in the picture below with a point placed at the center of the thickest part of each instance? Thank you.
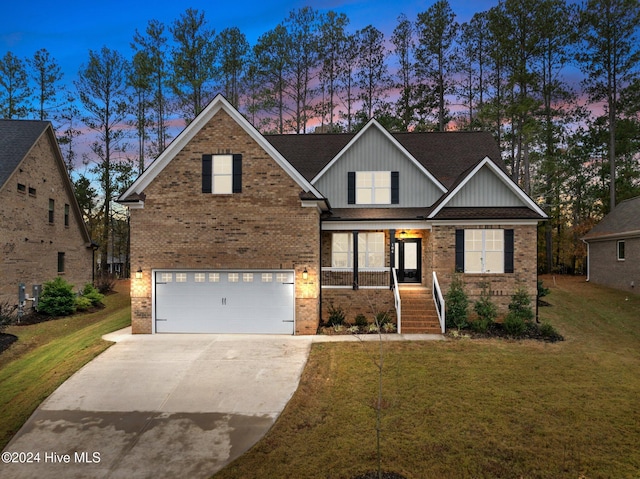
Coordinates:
(508, 251)
(237, 173)
(395, 187)
(351, 188)
(206, 173)
(459, 251)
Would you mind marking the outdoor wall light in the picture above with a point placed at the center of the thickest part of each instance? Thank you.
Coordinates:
(305, 274)
(139, 273)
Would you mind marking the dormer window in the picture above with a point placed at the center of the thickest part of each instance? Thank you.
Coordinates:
(373, 187)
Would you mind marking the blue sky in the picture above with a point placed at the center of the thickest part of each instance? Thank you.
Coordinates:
(68, 30)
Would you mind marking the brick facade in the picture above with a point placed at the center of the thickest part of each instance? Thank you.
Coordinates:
(30, 243)
(502, 286)
(606, 269)
(263, 227)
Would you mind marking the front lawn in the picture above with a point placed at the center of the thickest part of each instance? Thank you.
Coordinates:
(47, 353)
(488, 408)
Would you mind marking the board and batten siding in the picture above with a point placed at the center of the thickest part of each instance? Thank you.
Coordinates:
(374, 152)
(485, 189)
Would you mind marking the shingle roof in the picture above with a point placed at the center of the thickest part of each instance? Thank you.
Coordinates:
(444, 154)
(16, 139)
(498, 213)
(625, 218)
(364, 214)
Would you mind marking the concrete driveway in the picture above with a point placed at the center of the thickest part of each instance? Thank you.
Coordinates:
(160, 406)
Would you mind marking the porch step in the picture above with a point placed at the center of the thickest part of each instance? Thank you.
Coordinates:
(419, 314)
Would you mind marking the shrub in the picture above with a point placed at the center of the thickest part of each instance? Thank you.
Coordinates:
(514, 324)
(485, 309)
(389, 328)
(520, 305)
(542, 291)
(361, 321)
(92, 294)
(105, 282)
(83, 303)
(336, 315)
(57, 298)
(457, 303)
(382, 319)
(549, 331)
(7, 315)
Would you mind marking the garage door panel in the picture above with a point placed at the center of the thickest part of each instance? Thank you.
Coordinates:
(224, 302)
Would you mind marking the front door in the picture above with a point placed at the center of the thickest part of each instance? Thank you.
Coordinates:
(408, 260)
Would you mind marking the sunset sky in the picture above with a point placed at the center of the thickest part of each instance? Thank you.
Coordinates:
(68, 30)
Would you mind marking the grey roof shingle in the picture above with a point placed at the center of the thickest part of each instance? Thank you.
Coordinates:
(16, 139)
(444, 154)
(625, 218)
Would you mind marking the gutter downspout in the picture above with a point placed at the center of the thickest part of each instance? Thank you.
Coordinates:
(588, 259)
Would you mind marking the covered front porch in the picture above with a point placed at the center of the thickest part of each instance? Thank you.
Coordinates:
(369, 270)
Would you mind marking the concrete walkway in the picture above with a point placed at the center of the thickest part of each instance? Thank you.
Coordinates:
(164, 406)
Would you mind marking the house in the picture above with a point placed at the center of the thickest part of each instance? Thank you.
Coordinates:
(42, 233)
(235, 231)
(613, 248)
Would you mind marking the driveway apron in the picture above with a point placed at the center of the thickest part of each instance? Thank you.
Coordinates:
(160, 406)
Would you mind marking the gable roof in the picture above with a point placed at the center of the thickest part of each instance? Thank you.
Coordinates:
(438, 210)
(219, 103)
(17, 137)
(444, 155)
(624, 220)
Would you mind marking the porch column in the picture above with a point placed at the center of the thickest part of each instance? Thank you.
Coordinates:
(392, 256)
(355, 260)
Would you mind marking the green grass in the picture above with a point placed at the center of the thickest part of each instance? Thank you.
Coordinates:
(472, 408)
(46, 354)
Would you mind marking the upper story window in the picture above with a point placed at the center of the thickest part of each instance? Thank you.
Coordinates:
(373, 187)
(52, 206)
(66, 215)
(60, 262)
(620, 249)
(22, 188)
(222, 174)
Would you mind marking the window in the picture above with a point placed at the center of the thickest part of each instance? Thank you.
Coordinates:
(620, 248)
(60, 263)
(267, 277)
(199, 277)
(214, 277)
(370, 250)
(373, 188)
(32, 191)
(181, 277)
(22, 188)
(233, 277)
(484, 251)
(166, 277)
(247, 277)
(66, 215)
(222, 174)
(52, 205)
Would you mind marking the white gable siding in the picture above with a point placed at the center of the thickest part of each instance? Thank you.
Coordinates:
(486, 189)
(374, 152)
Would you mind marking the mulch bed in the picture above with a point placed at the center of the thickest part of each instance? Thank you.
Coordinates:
(6, 340)
(374, 475)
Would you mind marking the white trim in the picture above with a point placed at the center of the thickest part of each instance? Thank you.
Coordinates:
(183, 139)
(374, 225)
(618, 249)
(502, 176)
(374, 124)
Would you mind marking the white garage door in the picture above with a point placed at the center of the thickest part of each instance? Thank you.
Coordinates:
(224, 301)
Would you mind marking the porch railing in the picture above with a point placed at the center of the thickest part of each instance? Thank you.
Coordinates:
(396, 299)
(343, 278)
(438, 299)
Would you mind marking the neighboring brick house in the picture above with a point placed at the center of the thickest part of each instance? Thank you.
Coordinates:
(42, 233)
(235, 231)
(613, 255)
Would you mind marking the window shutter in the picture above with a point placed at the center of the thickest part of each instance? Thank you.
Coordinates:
(207, 164)
(237, 173)
(508, 251)
(395, 187)
(351, 188)
(459, 251)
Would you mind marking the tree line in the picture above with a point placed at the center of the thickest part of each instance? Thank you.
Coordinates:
(572, 144)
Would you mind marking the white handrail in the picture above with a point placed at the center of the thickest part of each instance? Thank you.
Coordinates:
(438, 299)
(396, 296)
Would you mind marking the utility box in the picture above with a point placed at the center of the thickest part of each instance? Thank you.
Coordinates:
(22, 295)
(37, 291)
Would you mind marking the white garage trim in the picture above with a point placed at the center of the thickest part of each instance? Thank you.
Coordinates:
(223, 301)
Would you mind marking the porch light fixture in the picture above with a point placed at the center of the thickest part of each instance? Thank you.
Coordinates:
(305, 274)
(139, 273)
